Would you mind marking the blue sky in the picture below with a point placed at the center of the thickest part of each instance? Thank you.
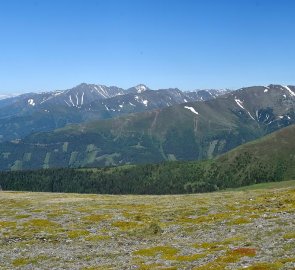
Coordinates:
(56, 44)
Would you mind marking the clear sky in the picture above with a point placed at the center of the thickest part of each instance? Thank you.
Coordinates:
(189, 44)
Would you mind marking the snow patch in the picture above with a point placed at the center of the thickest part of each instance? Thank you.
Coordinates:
(71, 100)
(67, 103)
(77, 100)
(105, 94)
(145, 102)
(270, 122)
(31, 102)
(82, 99)
(191, 109)
(265, 90)
(185, 100)
(101, 91)
(240, 104)
(57, 93)
(290, 91)
(250, 115)
(46, 99)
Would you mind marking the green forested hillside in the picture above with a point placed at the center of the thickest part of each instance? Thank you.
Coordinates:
(268, 159)
(275, 149)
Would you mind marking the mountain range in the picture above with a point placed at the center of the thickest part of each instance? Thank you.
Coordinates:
(33, 112)
(186, 131)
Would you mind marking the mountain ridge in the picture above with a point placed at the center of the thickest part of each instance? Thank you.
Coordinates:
(32, 112)
(189, 131)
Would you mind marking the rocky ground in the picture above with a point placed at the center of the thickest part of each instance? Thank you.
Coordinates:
(253, 229)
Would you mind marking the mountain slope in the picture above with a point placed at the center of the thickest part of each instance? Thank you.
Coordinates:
(31, 112)
(188, 131)
(277, 148)
(270, 158)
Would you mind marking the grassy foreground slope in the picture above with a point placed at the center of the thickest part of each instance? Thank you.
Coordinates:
(269, 185)
(223, 230)
(271, 158)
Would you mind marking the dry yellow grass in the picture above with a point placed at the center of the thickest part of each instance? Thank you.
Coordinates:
(251, 229)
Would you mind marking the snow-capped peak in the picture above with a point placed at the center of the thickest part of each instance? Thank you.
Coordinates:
(141, 88)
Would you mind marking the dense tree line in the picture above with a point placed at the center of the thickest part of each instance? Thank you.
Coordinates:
(162, 178)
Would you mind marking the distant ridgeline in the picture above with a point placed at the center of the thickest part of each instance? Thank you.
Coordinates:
(36, 112)
(268, 159)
